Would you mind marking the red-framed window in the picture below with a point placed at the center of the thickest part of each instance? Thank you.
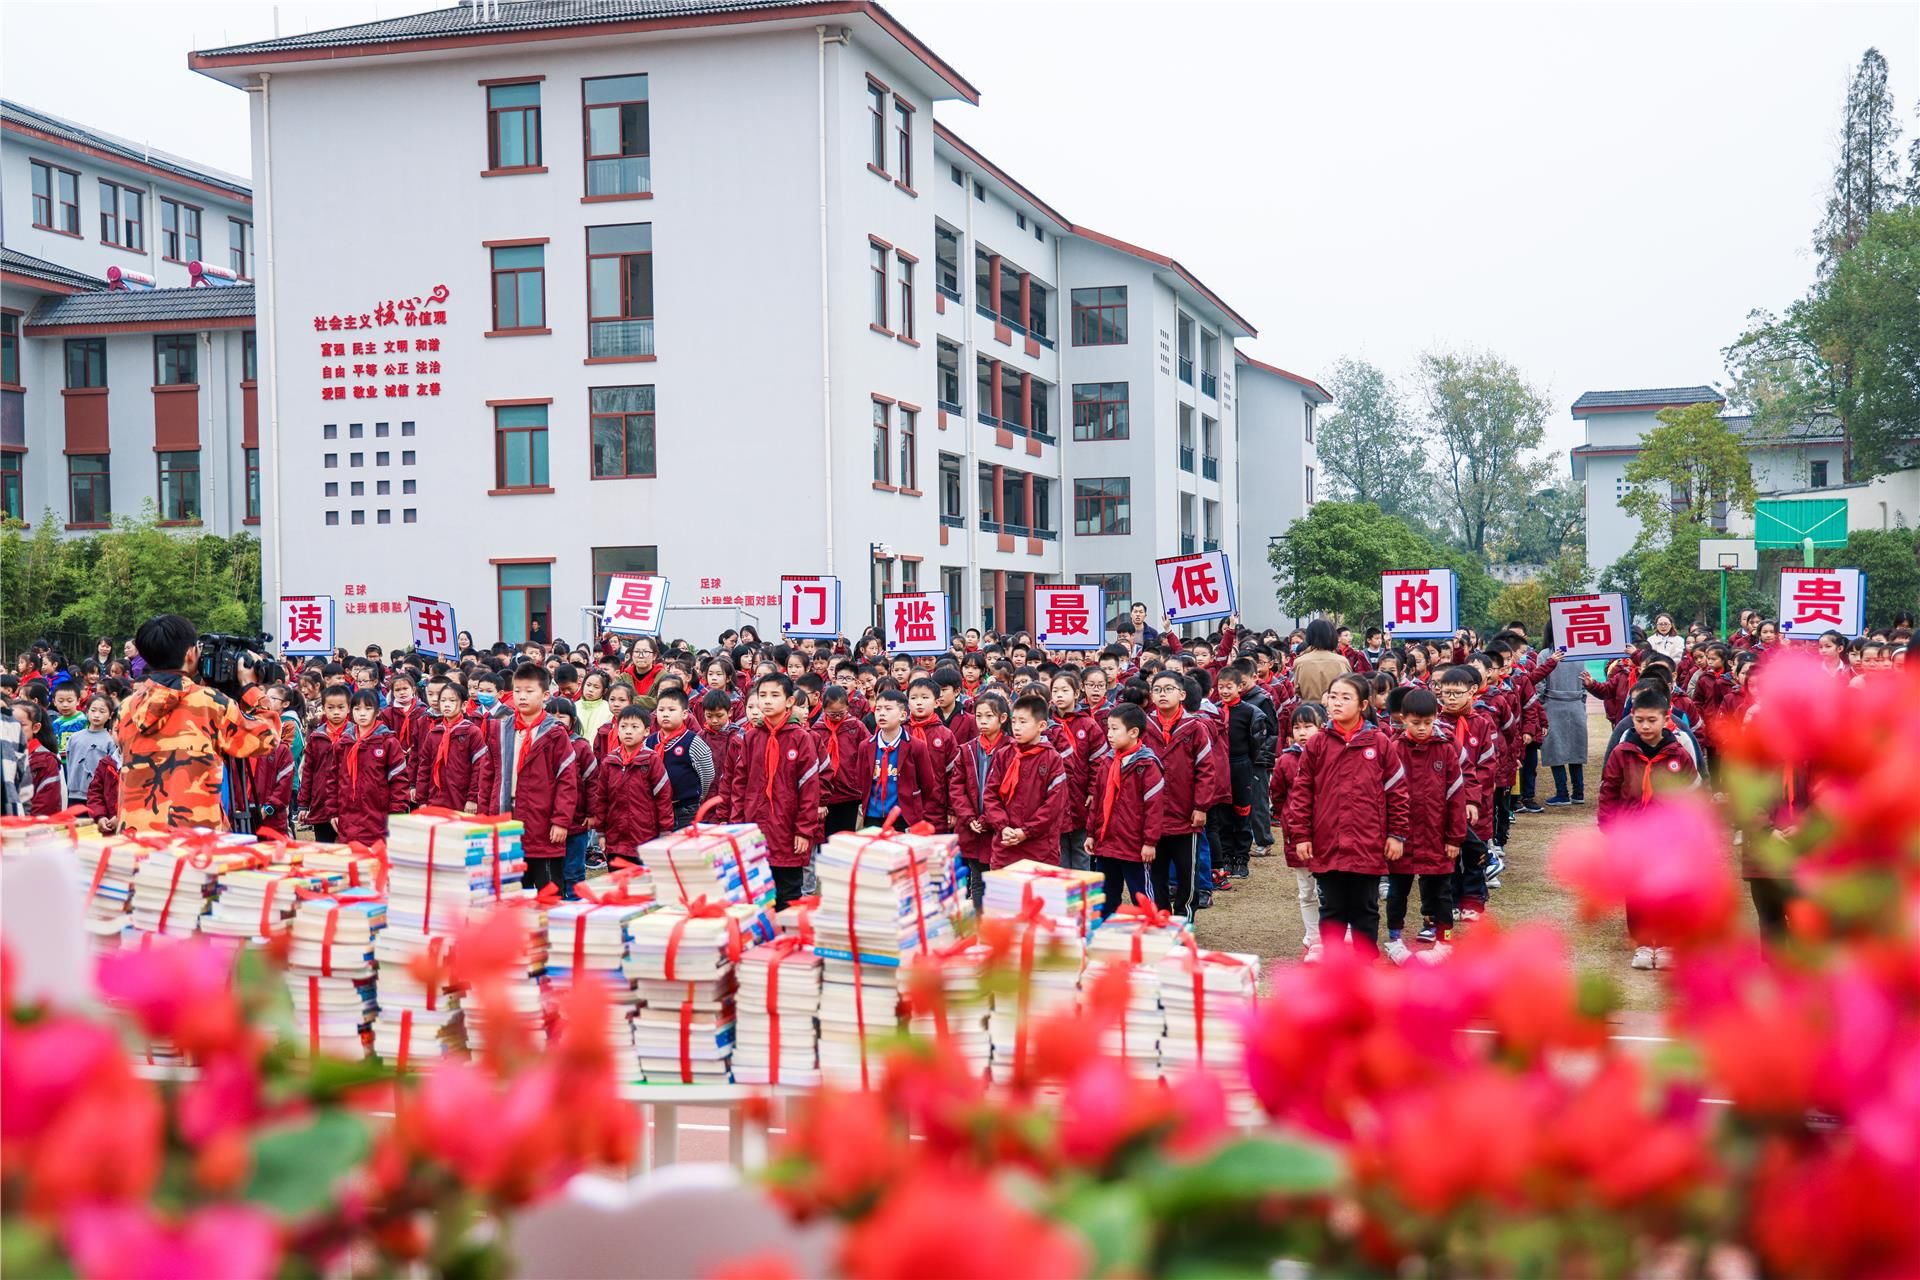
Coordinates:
(179, 231)
(120, 223)
(904, 263)
(623, 441)
(56, 198)
(513, 125)
(175, 360)
(520, 446)
(1100, 316)
(250, 459)
(86, 362)
(618, 135)
(909, 448)
(240, 247)
(179, 486)
(877, 265)
(877, 122)
(12, 484)
(903, 136)
(620, 290)
(882, 437)
(519, 287)
(10, 348)
(1102, 507)
(526, 602)
(89, 488)
(1100, 411)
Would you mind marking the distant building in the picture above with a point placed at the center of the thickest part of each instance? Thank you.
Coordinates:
(1279, 472)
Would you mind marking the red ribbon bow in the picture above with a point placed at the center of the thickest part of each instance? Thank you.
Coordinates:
(1145, 916)
(701, 909)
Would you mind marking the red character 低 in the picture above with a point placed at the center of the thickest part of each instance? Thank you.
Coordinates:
(1194, 586)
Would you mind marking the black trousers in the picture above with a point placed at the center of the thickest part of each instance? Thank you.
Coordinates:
(1470, 874)
(1176, 857)
(1436, 899)
(1126, 878)
(1529, 771)
(541, 872)
(1562, 773)
(1350, 899)
(683, 811)
(1230, 836)
(1502, 816)
(323, 833)
(1770, 899)
(787, 885)
(844, 816)
(976, 882)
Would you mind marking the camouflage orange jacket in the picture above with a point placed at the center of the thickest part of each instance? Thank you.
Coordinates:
(173, 736)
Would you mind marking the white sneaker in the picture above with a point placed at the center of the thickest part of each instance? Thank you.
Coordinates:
(1663, 957)
(1643, 957)
(1436, 953)
(1313, 955)
(1397, 951)
(1468, 914)
(1493, 882)
(1384, 888)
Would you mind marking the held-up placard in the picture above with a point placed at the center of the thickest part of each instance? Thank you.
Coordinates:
(915, 623)
(1072, 616)
(1420, 604)
(306, 626)
(1590, 628)
(809, 606)
(434, 630)
(1196, 587)
(636, 604)
(1813, 601)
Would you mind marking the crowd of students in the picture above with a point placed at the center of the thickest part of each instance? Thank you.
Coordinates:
(1167, 763)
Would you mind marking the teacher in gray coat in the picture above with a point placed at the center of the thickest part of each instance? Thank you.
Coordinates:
(1565, 750)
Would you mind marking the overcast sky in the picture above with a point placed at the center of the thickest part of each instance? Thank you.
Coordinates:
(1599, 192)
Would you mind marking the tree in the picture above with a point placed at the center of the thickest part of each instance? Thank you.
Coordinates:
(1370, 447)
(1866, 173)
(1552, 521)
(1330, 561)
(1665, 574)
(1687, 466)
(1891, 559)
(1487, 420)
(1526, 601)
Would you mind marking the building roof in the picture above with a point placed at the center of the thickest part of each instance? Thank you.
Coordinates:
(470, 24)
(62, 132)
(40, 271)
(1643, 398)
(153, 310)
(1325, 396)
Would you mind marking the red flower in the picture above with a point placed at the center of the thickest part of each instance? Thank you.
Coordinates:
(1834, 1211)
(506, 1142)
(127, 1242)
(1667, 863)
(940, 1222)
(180, 991)
(847, 1148)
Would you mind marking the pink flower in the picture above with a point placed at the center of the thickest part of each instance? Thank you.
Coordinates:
(127, 1242)
(179, 991)
(47, 1063)
(1667, 863)
(224, 1097)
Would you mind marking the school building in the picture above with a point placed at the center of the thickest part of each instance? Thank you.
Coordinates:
(123, 383)
(553, 291)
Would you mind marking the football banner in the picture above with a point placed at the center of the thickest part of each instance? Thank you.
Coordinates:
(306, 626)
(1072, 616)
(809, 606)
(636, 604)
(1590, 628)
(433, 627)
(1813, 601)
(1196, 587)
(916, 623)
(1420, 604)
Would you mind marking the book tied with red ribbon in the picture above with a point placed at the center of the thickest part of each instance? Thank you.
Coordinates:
(106, 866)
(332, 976)
(1134, 940)
(1208, 996)
(682, 962)
(776, 1039)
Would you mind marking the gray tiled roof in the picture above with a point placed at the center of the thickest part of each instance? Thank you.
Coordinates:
(1646, 395)
(40, 269)
(150, 306)
(15, 113)
(511, 15)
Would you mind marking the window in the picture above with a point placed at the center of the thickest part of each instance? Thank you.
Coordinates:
(513, 126)
(959, 178)
(519, 446)
(1186, 348)
(383, 487)
(1209, 526)
(1118, 589)
(1100, 411)
(1817, 474)
(382, 458)
(330, 460)
(909, 449)
(120, 216)
(333, 488)
(383, 516)
(331, 431)
(180, 485)
(903, 132)
(608, 561)
(877, 264)
(409, 515)
(909, 575)
(946, 260)
(905, 266)
(1042, 505)
(357, 489)
(1037, 417)
(1037, 310)
(9, 348)
(622, 432)
(333, 517)
(249, 356)
(950, 580)
(618, 136)
(877, 123)
(1099, 316)
(359, 517)
(620, 290)
(240, 247)
(179, 231)
(519, 287)
(406, 429)
(175, 361)
(948, 365)
(356, 460)
(526, 601)
(1186, 437)
(408, 486)
(1187, 540)
(250, 460)
(1310, 486)
(12, 497)
(89, 499)
(1209, 363)
(1209, 448)
(1103, 506)
(881, 412)
(406, 459)
(950, 513)
(1308, 408)
(988, 499)
(356, 430)
(56, 199)
(1013, 500)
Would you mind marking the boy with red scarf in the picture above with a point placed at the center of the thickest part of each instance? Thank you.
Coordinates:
(902, 773)
(967, 788)
(1193, 772)
(1127, 811)
(316, 765)
(1651, 757)
(1026, 791)
(723, 733)
(631, 797)
(530, 773)
(775, 783)
(846, 747)
(446, 772)
(942, 748)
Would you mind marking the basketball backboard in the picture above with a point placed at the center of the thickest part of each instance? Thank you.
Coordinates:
(1736, 554)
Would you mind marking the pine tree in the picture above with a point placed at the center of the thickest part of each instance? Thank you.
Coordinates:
(1866, 174)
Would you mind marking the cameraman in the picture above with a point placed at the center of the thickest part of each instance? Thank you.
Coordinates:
(176, 735)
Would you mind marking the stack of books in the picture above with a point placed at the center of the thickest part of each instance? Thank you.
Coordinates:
(962, 1022)
(725, 863)
(331, 972)
(522, 996)
(415, 1024)
(1135, 946)
(444, 871)
(353, 870)
(682, 966)
(779, 997)
(1071, 899)
(106, 866)
(1207, 996)
(589, 943)
(254, 905)
(1048, 985)
(173, 888)
(32, 837)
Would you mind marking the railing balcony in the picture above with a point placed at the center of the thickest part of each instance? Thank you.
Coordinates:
(1186, 370)
(988, 525)
(1211, 544)
(1210, 468)
(953, 407)
(622, 176)
(1186, 544)
(952, 291)
(620, 338)
(1209, 385)
(954, 522)
(1047, 535)
(1186, 457)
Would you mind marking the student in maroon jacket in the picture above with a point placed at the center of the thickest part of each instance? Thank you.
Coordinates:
(923, 701)
(1192, 768)
(530, 773)
(406, 715)
(103, 794)
(1349, 805)
(1650, 758)
(967, 788)
(316, 765)
(631, 797)
(446, 770)
(270, 778)
(775, 783)
(1127, 809)
(900, 772)
(846, 750)
(722, 733)
(1436, 824)
(1074, 731)
(1472, 730)
(369, 779)
(573, 867)
(1027, 790)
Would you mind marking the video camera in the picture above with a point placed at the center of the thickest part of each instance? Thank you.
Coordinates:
(221, 657)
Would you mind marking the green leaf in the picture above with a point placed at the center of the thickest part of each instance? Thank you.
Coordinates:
(297, 1167)
(330, 1077)
(30, 1250)
(1245, 1170)
(1114, 1220)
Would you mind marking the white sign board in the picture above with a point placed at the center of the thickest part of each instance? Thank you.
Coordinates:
(1813, 601)
(916, 623)
(636, 604)
(1196, 587)
(809, 606)
(434, 630)
(1590, 627)
(306, 626)
(1071, 616)
(1420, 604)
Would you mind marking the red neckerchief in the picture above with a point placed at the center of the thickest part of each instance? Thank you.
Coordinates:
(1166, 724)
(446, 739)
(1012, 780)
(642, 685)
(773, 750)
(988, 742)
(354, 749)
(626, 757)
(1344, 735)
(833, 741)
(1120, 759)
(406, 723)
(885, 763)
(666, 742)
(521, 726)
(920, 727)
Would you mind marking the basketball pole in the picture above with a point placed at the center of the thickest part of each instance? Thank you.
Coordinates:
(1723, 601)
